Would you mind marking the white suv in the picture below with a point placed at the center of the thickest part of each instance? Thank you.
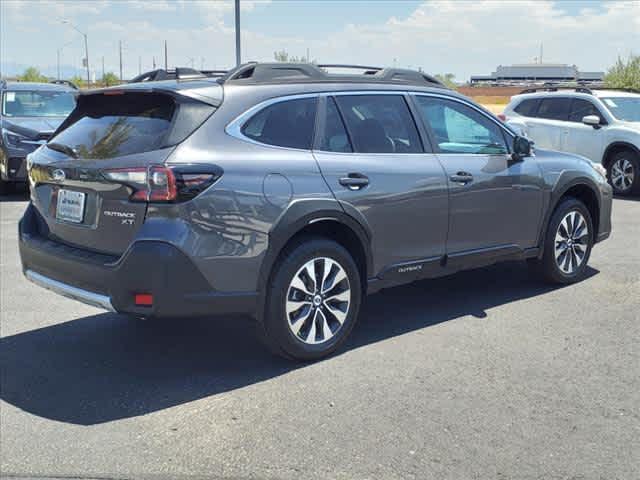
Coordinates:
(602, 125)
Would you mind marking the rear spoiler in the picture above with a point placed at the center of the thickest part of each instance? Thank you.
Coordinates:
(203, 89)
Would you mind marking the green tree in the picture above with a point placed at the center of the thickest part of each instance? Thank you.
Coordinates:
(447, 79)
(77, 81)
(32, 74)
(624, 74)
(109, 79)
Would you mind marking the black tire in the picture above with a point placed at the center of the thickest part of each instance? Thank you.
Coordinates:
(548, 267)
(274, 328)
(631, 183)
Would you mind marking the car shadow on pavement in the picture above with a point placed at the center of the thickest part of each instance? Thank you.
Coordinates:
(108, 367)
(18, 195)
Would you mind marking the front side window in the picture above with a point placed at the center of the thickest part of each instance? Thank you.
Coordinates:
(289, 123)
(554, 108)
(580, 108)
(626, 109)
(461, 129)
(379, 123)
(34, 103)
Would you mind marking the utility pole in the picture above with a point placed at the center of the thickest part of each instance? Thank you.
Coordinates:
(120, 61)
(308, 58)
(58, 52)
(154, 62)
(238, 56)
(541, 47)
(103, 67)
(166, 61)
(139, 65)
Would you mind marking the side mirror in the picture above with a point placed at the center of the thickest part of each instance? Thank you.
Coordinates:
(592, 120)
(521, 148)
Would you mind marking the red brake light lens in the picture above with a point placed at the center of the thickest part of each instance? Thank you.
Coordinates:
(157, 183)
(502, 117)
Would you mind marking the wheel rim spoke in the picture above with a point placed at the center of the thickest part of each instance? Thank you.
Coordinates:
(318, 300)
(571, 242)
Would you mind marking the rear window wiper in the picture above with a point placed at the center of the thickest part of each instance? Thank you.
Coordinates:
(60, 147)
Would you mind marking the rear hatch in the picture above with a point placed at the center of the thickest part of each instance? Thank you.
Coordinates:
(92, 182)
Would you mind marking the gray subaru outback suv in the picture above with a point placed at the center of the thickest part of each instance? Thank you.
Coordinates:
(288, 192)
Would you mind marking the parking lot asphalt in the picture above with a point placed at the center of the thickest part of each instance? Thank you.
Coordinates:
(486, 374)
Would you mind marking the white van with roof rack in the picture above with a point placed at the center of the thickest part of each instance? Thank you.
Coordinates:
(602, 125)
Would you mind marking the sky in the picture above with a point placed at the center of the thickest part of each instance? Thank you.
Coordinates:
(464, 37)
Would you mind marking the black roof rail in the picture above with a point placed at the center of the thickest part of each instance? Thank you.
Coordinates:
(178, 73)
(65, 82)
(557, 88)
(307, 72)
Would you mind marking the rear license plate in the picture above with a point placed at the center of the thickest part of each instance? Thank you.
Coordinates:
(70, 207)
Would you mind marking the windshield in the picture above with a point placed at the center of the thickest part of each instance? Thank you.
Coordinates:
(624, 108)
(37, 103)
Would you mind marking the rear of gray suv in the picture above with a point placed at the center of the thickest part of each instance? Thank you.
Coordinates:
(287, 193)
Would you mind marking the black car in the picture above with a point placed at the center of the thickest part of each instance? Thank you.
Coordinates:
(29, 114)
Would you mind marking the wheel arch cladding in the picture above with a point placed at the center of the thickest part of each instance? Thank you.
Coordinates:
(615, 148)
(582, 190)
(321, 217)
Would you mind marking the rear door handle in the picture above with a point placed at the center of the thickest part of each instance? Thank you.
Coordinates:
(354, 181)
(462, 177)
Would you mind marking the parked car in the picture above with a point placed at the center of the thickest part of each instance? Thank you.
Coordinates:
(602, 125)
(29, 114)
(287, 192)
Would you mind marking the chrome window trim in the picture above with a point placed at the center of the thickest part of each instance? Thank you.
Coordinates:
(234, 127)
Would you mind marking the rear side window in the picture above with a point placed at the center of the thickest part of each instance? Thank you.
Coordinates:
(554, 108)
(113, 126)
(580, 108)
(379, 123)
(334, 137)
(528, 107)
(289, 123)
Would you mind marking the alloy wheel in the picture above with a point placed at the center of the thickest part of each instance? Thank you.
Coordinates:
(318, 300)
(571, 242)
(622, 174)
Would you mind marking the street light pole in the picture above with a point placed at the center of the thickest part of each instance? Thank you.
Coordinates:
(238, 56)
(86, 48)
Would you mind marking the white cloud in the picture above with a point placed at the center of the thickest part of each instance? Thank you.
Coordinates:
(459, 36)
(152, 5)
(473, 37)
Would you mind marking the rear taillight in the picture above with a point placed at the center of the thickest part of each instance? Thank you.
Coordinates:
(502, 117)
(158, 183)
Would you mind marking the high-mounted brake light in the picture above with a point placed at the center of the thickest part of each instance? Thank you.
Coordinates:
(502, 117)
(158, 183)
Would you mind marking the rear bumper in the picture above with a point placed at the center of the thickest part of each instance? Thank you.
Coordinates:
(150, 267)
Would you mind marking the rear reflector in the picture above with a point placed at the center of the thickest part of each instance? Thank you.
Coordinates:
(143, 299)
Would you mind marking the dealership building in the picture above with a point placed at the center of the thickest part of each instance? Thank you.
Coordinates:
(537, 73)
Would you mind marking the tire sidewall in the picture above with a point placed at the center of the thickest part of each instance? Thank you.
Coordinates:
(550, 263)
(276, 322)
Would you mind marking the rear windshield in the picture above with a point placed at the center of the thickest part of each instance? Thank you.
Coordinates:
(37, 103)
(106, 126)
